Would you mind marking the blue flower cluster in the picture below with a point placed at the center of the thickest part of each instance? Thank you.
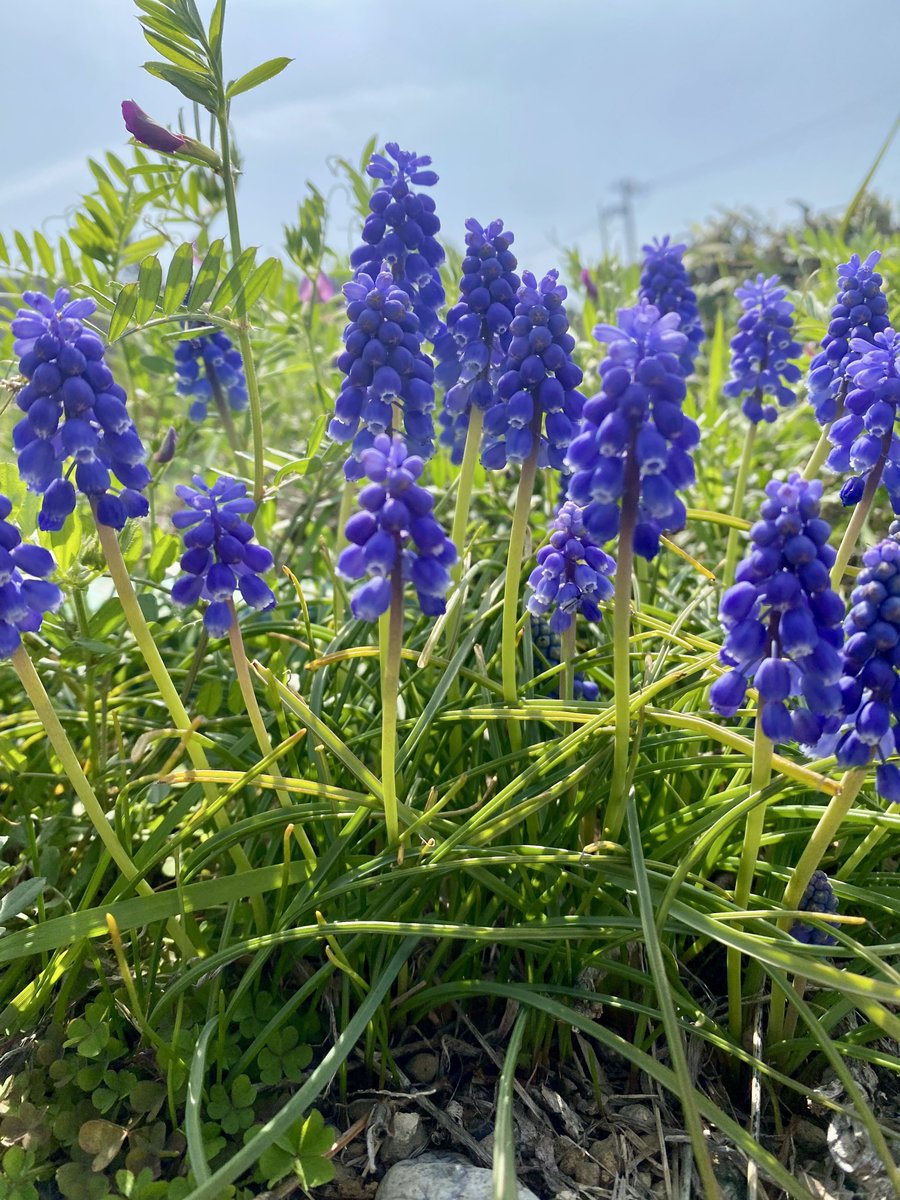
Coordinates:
(665, 284)
(549, 646)
(395, 531)
(863, 437)
(220, 553)
(210, 368)
(537, 397)
(783, 620)
(572, 574)
(478, 330)
(400, 231)
(25, 591)
(859, 312)
(635, 432)
(870, 683)
(384, 367)
(818, 897)
(762, 348)
(73, 409)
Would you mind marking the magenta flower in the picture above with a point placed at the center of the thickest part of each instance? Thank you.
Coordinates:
(322, 292)
(149, 132)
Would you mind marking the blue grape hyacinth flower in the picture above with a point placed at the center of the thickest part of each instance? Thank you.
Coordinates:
(220, 556)
(634, 432)
(666, 285)
(74, 410)
(209, 368)
(548, 644)
(860, 312)
(762, 348)
(783, 620)
(384, 369)
(572, 573)
(478, 330)
(818, 897)
(869, 717)
(395, 531)
(863, 438)
(26, 592)
(538, 405)
(401, 231)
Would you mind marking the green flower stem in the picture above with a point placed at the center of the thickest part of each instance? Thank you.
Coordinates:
(64, 751)
(227, 424)
(242, 670)
(511, 584)
(822, 837)
(851, 535)
(234, 231)
(737, 506)
(112, 552)
(466, 477)
(615, 813)
(760, 774)
(90, 700)
(391, 647)
(567, 649)
(819, 454)
(347, 496)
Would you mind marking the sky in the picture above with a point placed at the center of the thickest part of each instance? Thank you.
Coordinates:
(532, 110)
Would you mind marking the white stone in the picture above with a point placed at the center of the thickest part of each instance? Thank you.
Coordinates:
(440, 1177)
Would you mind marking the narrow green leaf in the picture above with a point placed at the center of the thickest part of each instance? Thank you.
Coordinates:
(22, 896)
(265, 71)
(149, 283)
(124, 310)
(193, 1104)
(233, 282)
(216, 22)
(4, 252)
(178, 279)
(195, 85)
(45, 254)
(24, 249)
(505, 1183)
(266, 276)
(179, 56)
(208, 274)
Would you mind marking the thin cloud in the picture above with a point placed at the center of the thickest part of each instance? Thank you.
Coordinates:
(31, 183)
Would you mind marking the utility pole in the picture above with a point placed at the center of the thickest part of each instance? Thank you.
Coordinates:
(628, 189)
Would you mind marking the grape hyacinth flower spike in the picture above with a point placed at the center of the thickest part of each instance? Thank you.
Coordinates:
(761, 371)
(220, 555)
(818, 897)
(401, 231)
(478, 331)
(635, 436)
(762, 349)
(74, 410)
(666, 285)
(860, 312)
(26, 592)
(385, 370)
(210, 369)
(572, 574)
(395, 538)
(539, 406)
(782, 619)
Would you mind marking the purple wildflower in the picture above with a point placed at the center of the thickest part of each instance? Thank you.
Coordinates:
(762, 348)
(572, 574)
(25, 590)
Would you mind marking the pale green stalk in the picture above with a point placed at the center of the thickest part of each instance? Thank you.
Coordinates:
(391, 646)
(112, 552)
(819, 454)
(860, 512)
(737, 506)
(871, 840)
(466, 477)
(760, 774)
(514, 559)
(242, 670)
(234, 231)
(822, 836)
(62, 747)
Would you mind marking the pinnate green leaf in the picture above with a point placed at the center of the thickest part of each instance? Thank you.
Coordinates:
(262, 73)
